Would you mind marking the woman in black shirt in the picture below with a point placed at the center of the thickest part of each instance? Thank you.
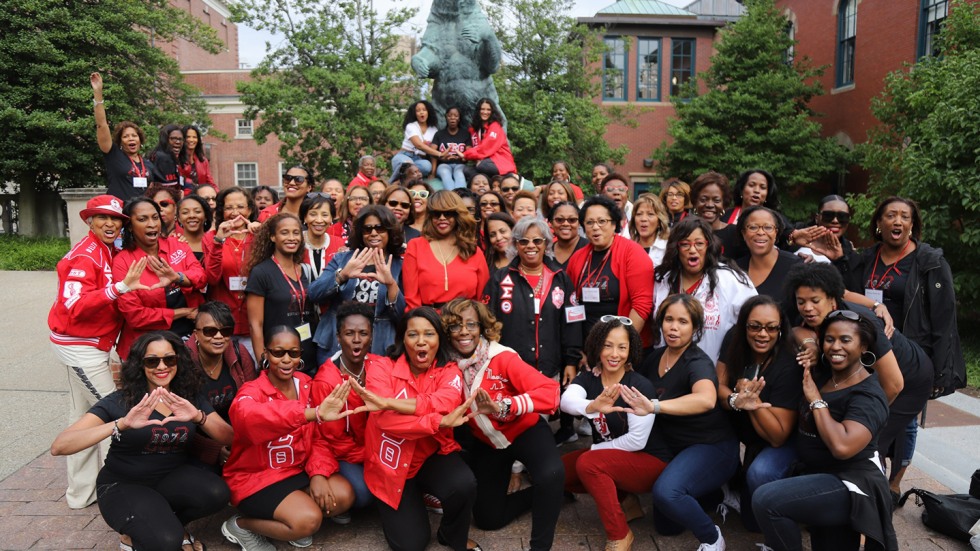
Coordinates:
(766, 265)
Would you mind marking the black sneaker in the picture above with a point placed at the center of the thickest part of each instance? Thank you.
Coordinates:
(564, 435)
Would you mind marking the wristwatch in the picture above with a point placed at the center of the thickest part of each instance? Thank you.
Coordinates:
(818, 404)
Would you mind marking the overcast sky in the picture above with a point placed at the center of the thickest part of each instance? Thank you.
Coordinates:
(251, 43)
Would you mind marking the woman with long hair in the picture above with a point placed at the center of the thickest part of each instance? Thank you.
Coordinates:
(147, 492)
(421, 123)
(553, 194)
(356, 198)
(420, 192)
(194, 218)
(192, 164)
(448, 247)
(165, 156)
(489, 148)
(451, 142)
(297, 182)
(126, 171)
(676, 196)
(496, 233)
(650, 226)
(398, 199)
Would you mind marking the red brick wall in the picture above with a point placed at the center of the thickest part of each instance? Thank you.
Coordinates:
(193, 58)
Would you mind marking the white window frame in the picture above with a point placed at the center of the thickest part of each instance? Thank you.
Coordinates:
(238, 179)
(244, 128)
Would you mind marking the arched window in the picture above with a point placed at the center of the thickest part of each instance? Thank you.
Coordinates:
(846, 33)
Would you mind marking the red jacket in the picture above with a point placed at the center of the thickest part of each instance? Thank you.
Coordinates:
(531, 394)
(491, 144)
(631, 264)
(361, 180)
(397, 445)
(84, 313)
(147, 310)
(345, 437)
(203, 169)
(223, 262)
(273, 440)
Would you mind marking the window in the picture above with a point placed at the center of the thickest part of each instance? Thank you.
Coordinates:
(790, 53)
(846, 31)
(246, 174)
(614, 69)
(931, 20)
(648, 69)
(243, 128)
(681, 63)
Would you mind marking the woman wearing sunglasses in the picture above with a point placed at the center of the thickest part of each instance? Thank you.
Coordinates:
(420, 192)
(369, 273)
(506, 426)
(444, 264)
(398, 199)
(147, 492)
(491, 202)
(844, 493)
(296, 183)
(166, 197)
(563, 219)
(832, 217)
(355, 199)
(283, 478)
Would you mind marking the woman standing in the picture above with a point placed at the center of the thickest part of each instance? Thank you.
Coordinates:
(264, 197)
(830, 222)
(451, 143)
(193, 165)
(564, 224)
(553, 194)
(507, 423)
(754, 187)
(355, 199)
(399, 201)
(711, 195)
(147, 492)
(765, 264)
(496, 232)
(650, 226)
(490, 148)
(166, 198)
(420, 192)
(449, 246)
(318, 214)
(844, 493)
(208, 193)
(296, 183)
(127, 172)
(164, 157)
(193, 222)
(510, 184)
(524, 204)
(173, 283)
(676, 196)
(421, 123)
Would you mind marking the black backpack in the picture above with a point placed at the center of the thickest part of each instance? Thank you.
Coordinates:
(952, 515)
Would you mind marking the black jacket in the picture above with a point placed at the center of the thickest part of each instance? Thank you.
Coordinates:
(544, 341)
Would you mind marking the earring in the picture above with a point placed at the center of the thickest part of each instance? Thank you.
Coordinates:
(264, 363)
(877, 231)
(301, 365)
(870, 363)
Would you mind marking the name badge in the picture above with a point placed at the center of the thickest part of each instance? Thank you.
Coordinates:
(139, 181)
(537, 305)
(590, 294)
(876, 295)
(574, 314)
(237, 283)
(304, 332)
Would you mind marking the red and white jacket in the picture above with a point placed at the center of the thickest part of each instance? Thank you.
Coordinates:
(85, 312)
(345, 437)
(506, 375)
(397, 445)
(491, 143)
(273, 440)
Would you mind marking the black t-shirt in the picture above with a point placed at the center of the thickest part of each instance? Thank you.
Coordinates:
(120, 171)
(366, 291)
(176, 299)
(891, 281)
(614, 425)
(164, 168)
(672, 434)
(864, 402)
(732, 244)
(148, 453)
(221, 392)
(451, 143)
(284, 304)
(774, 285)
(600, 274)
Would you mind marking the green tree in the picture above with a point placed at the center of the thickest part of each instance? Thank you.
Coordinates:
(754, 112)
(928, 145)
(547, 84)
(335, 88)
(48, 48)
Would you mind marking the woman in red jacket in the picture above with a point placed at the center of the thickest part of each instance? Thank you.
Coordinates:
(490, 148)
(192, 165)
(282, 476)
(409, 443)
(511, 397)
(174, 280)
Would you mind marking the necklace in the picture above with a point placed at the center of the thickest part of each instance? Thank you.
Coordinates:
(359, 377)
(445, 265)
(670, 366)
(201, 358)
(523, 269)
(842, 381)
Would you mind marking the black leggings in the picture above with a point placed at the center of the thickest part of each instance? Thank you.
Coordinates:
(495, 508)
(448, 478)
(154, 514)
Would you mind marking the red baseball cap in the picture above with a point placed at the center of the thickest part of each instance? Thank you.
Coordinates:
(104, 204)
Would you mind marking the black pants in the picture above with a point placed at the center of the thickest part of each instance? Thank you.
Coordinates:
(486, 167)
(448, 478)
(494, 509)
(154, 514)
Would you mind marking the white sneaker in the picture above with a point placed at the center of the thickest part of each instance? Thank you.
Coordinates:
(583, 427)
(732, 500)
(248, 541)
(719, 545)
(302, 542)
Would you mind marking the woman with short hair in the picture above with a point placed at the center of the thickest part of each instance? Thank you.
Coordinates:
(126, 171)
(318, 215)
(676, 196)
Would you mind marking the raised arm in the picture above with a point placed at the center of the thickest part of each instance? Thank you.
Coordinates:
(101, 122)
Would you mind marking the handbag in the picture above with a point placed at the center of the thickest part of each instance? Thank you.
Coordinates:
(952, 515)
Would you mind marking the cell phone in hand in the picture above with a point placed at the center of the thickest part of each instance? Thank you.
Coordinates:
(752, 371)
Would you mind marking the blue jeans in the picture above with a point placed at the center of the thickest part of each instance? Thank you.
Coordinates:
(820, 501)
(354, 473)
(698, 470)
(769, 465)
(451, 175)
(418, 160)
(911, 434)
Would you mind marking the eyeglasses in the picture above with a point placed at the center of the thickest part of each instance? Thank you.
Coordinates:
(374, 228)
(756, 327)
(176, 139)
(489, 203)
(151, 362)
(447, 214)
(508, 189)
(358, 199)
(602, 222)
(280, 353)
(754, 228)
(616, 189)
(419, 193)
(687, 245)
(392, 203)
(563, 221)
(470, 326)
(314, 194)
(621, 319)
(524, 241)
(165, 203)
(292, 177)
(674, 195)
(846, 314)
(828, 216)
(211, 331)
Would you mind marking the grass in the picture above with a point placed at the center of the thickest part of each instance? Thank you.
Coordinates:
(970, 341)
(31, 253)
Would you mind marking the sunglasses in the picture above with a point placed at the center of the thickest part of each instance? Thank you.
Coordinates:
(756, 327)
(374, 228)
(150, 362)
(314, 194)
(419, 193)
(447, 214)
(621, 319)
(563, 221)
(828, 216)
(489, 203)
(280, 353)
(291, 178)
(211, 331)
(165, 203)
(392, 203)
(524, 241)
(509, 189)
(846, 314)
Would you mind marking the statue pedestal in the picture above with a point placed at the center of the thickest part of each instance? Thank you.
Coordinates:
(76, 199)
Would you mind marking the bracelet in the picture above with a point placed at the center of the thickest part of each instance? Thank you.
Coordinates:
(97, 102)
(121, 288)
(316, 412)
(809, 340)
(731, 401)
(218, 240)
(204, 419)
(340, 281)
(116, 433)
(875, 306)
(504, 409)
(818, 404)
(180, 279)
(656, 407)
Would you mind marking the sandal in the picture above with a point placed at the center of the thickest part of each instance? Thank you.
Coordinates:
(190, 540)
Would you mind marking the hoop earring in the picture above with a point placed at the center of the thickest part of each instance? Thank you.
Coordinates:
(264, 363)
(873, 358)
(877, 231)
(301, 365)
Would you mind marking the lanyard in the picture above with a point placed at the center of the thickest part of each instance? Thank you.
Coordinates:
(690, 290)
(300, 295)
(881, 280)
(587, 274)
(139, 171)
(733, 217)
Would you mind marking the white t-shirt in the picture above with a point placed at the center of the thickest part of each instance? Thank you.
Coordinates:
(413, 129)
(720, 308)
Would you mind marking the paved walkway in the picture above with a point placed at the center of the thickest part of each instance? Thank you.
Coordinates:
(33, 513)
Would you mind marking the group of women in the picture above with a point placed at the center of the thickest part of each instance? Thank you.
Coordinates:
(406, 349)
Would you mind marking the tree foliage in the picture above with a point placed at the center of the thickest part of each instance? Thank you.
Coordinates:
(547, 84)
(335, 88)
(928, 146)
(754, 112)
(48, 48)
